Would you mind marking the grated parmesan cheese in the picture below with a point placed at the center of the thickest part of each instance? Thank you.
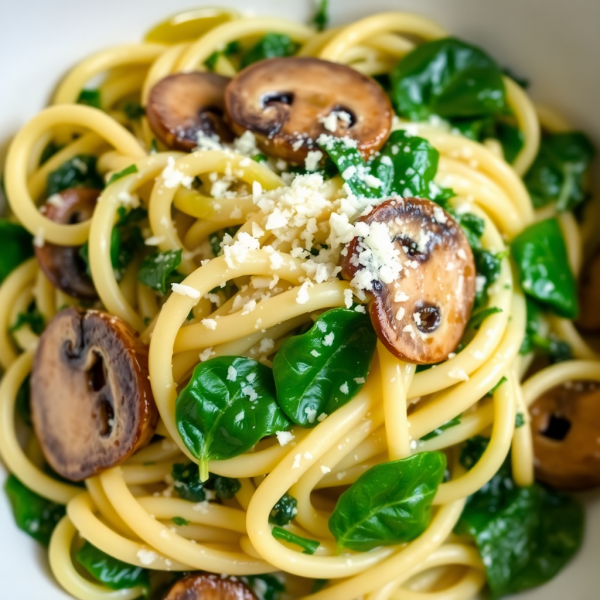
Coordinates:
(186, 290)
(284, 437)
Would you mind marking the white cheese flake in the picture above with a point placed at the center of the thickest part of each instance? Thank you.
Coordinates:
(146, 557)
(328, 339)
(154, 240)
(344, 388)
(284, 437)
(325, 470)
(185, 290)
(209, 324)
(458, 373)
(311, 414)
(231, 373)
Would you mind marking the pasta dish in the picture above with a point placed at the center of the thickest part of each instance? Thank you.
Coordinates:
(295, 311)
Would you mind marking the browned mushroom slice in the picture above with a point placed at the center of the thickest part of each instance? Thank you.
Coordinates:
(289, 102)
(565, 422)
(422, 312)
(185, 105)
(91, 401)
(209, 587)
(62, 265)
(589, 296)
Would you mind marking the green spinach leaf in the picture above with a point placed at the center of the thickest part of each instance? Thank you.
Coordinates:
(79, 171)
(133, 110)
(541, 258)
(439, 430)
(284, 511)
(310, 546)
(272, 45)
(180, 521)
(525, 535)
(324, 368)
(478, 317)
(189, 487)
(120, 174)
(321, 16)
(32, 317)
(17, 247)
(388, 504)
(111, 572)
(90, 97)
(33, 514)
(49, 151)
(449, 78)
(226, 408)
(266, 587)
(560, 170)
(160, 269)
(231, 48)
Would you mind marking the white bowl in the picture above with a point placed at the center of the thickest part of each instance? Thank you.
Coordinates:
(554, 43)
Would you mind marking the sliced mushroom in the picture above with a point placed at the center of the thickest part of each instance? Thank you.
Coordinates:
(422, 313)
(62, 265)
(209, 587)
(589, 296)
(289, 102)
(91, 401)
(565, 423)
(184, 105)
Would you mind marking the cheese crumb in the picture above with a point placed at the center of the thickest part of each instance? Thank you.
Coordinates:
(348, 298)
(209, 324)
(321, 417)
(458, 373)
(312, 160)
(344, 388)
(147, 557)
(173, 178)
(311, 414)
(325, 470)
(231, 374)
(38, 239)
(206, 354)
(155, 240)
(266, 345)
(297, 460)
(186, 290)
(315, 353)
(55, 200)
(328, 339)
(284, 437)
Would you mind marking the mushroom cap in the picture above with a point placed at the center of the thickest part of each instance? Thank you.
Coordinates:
(565, 422)
(589, 296)
(181, 106)
(209, 587)
(91, 401)
(284, 102)
(422, 315)
(62, 265)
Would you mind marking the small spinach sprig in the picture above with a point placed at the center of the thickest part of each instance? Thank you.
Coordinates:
(284, 511)
(15, 247)
(266, 587)
(31, 317)
(227, 407)
(389, 504)
(541, 258)
(560, 170)
(33, 514)
(159, 270)
(321, 370)
(557, 350)
(271, 45)
(79, 171)
(187, 484)
(525, 535)
(321, 16)
(112, 572)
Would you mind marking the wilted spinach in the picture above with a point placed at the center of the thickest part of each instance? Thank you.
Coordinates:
(272, 45)
(159, 270)
(79, 171)
(321, 370)
(284, 511)
(388, 504)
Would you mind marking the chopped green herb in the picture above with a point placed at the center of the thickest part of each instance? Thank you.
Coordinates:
(321, 16)
(259, 158)
(126, 171)
(180, 521)
(32, 317)
(502, 381)
(478, 317)
(133, 110)
(79, 171)
(519, 420)
(309, 546)
(272, 45)
(159, 270)
(91, 98)
(284, 511)
(153, 146)
(439, 430)
(49, 151)
(23, 403)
